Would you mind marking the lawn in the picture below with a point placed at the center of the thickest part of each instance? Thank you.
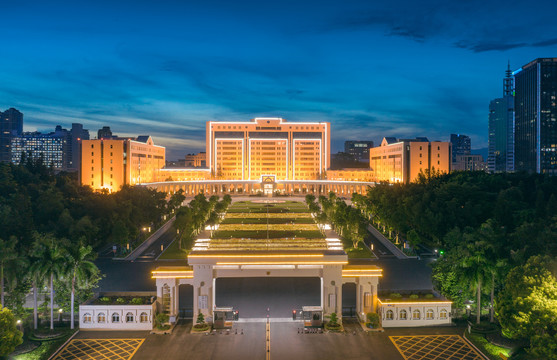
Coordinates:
(47, 347)
(270, 220)
(172, 252)
(490, 350)
(262, 234)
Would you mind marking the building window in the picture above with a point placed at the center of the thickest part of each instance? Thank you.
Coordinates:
(389, 315)
(429, 314)
(101, 318)
(111, 146)
(420, 154)
(92, 176)
(416, 314)
(92, 168)
(115, 317)
(87, 318)
(92, 153)
(438, 162)
(438, 155)
(129, 317)
(143, 317)
(403, 315)
(92, 146)
(92, 161)
(92, 183)
(420, 148)
(443, 314)
(438, 148)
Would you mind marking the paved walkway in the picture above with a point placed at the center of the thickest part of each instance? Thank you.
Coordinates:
(387, 243)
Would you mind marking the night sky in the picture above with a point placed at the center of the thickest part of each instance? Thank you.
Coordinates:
(406, 69)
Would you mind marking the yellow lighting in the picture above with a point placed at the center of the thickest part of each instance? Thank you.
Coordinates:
(172, 277)
(416, 302)
(285, 263)
(259, 256)
(362, 275)
(171, 271)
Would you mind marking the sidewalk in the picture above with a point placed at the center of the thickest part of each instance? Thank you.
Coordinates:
(387, 243)
(154, 237)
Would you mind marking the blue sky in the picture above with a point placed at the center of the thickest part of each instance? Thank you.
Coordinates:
(399, 68)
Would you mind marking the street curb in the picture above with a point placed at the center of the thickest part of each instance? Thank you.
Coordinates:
(63, 345)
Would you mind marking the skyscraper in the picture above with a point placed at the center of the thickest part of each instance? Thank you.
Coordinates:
(11, 124)
(461, 145)
(535, 116)
(76, 135)
(501, 128)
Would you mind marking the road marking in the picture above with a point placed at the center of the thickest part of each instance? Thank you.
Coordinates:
(268, 340)
(434, 347)
(117, 349)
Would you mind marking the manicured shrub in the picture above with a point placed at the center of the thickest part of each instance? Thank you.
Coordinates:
(120, 301)
(413, 296)
(137, 301)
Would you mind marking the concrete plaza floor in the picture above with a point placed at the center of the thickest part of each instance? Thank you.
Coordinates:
(287, 342)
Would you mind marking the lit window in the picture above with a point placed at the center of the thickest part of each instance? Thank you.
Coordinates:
(416, 314)
(389, 315)
(443, 314)
(129, 317)
(87, 318)
(429, 314)
(101, 318)
(143, 317)
(403, 315)
(115, 317)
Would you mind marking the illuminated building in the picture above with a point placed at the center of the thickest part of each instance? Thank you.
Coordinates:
(535, 117)
(11, 124)
(472, 162)
(356, 174)
(111, 163)
(49, 147)
(403, 160)
(460, 145)
(268, 147)
(196, 160)
(358, 149)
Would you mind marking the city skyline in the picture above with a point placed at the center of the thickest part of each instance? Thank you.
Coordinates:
(372, 70)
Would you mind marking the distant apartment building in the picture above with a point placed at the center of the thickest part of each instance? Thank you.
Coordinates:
(11, 124)
(268, 147)
(501, 129)
(355, 174)
(73, 146)
(403, 160)
(535, 117)
(461, 145)
(471, 162)
(196, 160)
(358, 149)
(35, 145)
(105, 133)
(111, 163)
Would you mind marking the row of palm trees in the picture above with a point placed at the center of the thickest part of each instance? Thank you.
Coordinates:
(49, 259)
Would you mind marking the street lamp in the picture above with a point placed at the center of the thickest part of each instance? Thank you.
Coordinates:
(59, 314)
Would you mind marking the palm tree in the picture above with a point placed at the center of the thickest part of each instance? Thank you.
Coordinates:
(7, 255)
(474, 265)
(50, 263)
(79, 267)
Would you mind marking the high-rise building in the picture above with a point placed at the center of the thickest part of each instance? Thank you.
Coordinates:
(501, 128)
(471, 162)
(111, 163)
(104, 133)
(76, 135)
(358, 149)
(196, 160)
(11, 124)
(268, 147)
(461, 145)
(403, 160)
(50, 147)
(535, 116)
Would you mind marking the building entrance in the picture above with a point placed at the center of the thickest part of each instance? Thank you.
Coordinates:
(252, 296)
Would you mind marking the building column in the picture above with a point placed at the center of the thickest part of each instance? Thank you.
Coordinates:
(332, 289)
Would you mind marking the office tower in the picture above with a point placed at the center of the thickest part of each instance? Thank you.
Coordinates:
(358, 149)
(50, 147)
(111, 163)
(501, 128)
(535, 117)
(471, 162)
(11, 124)
(461, 145)
(403, 160)
(268, 147)
(104, 133)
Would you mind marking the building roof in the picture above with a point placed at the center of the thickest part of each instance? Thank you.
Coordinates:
(143, 138)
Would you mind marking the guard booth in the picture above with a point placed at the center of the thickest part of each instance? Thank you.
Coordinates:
(313, 316)
(224, 317)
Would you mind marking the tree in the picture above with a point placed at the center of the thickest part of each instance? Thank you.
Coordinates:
(50, 263)
(10, 336)
(527, 305)
(79, 267)
(7, 255)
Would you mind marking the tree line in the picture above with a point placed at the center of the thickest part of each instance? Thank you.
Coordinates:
(493, 230)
